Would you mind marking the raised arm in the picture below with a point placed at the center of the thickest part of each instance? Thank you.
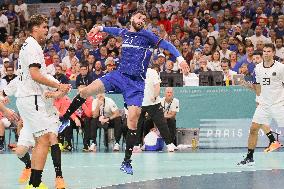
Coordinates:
(110, 30)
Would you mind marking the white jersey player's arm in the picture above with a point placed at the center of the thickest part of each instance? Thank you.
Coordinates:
(54, 94)
(10, 114)
(39, 78)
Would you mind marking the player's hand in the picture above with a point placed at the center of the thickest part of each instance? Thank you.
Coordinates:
(48, 94)
(64, 87)
(184, 67)
(10, 114)
(6, 100)
(93, 31)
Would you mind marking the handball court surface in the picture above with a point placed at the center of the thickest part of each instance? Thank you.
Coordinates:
(199, 169)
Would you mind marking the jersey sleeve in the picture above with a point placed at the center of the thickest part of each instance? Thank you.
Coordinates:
(153, 38)
(113, 31)
(34, 58)
(11, 88)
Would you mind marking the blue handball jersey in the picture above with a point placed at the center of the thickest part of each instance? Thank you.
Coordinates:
(137, 49)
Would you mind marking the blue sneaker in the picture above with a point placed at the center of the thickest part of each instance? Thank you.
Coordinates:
(64, 123)
(126, 167)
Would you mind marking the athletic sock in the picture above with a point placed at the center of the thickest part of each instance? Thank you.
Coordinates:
(130, 142)
(27, 160)
(2, 140)
(250, 153)
(76, 103)
(270, 137)
(56, 158)
(36, 177)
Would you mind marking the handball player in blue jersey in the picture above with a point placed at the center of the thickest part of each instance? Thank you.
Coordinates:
(137, 48)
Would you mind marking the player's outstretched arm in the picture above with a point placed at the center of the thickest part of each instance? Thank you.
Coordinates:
(110, 30)
(173, 50)
(38, 77)
(10, 114)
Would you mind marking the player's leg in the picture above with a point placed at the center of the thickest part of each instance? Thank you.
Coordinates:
(94, 88)
(262, 116)
(56, 159)
(157, 115)
(131, 138)
(140, 129)
(273, 144)
(25, 141)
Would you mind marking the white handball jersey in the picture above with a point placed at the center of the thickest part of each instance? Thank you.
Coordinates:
(272, 83)
(152, 78)
(11, 88)
(30, 53)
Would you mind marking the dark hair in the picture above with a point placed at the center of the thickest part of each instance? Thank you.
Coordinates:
(139, 11)
(269, 45)
(10, 66)
(257, 53)
(36, 20)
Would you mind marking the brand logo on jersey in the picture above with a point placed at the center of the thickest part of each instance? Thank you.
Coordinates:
(274, 74)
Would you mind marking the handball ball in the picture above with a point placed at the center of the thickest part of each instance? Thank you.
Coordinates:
(96, 39)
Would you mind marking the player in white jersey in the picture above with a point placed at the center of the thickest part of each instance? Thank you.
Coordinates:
(269, 77)
(30, 103)
(26, 139)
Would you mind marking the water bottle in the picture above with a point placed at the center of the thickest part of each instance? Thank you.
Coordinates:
(193, 143)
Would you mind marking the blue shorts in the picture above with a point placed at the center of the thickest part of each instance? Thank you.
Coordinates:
(131, 87)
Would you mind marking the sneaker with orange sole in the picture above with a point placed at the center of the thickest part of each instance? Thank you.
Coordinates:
(59, 183)
(26, 173)
(273, 146)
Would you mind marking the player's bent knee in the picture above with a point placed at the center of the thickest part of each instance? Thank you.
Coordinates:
(21, 151)
(254, 128)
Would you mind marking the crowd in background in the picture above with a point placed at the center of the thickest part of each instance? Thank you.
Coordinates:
(212, 35)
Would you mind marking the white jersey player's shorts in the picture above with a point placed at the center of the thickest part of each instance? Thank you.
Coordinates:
(264, 114)
(35, 117)
(6, 122)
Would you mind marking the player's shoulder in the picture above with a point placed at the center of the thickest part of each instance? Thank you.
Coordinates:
(175, 100)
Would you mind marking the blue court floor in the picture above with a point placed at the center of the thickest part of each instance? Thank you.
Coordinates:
(201, 169)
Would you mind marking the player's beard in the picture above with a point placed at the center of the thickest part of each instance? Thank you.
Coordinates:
(136, 26)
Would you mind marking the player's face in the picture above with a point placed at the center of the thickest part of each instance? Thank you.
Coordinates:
(268, 54)
(138, 21)
(43, 31)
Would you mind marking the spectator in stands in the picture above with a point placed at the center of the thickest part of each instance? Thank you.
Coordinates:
(21, 9)
(247, 76)
(241, 51)
(83, 79)
(207, 52)
(9, 44)
(98, 72)
(215, 63)
(51, 68)
(12, 19)
(259, 45)
(171, 107)
(186, 52)
(228, 73)
(62, 52)
(190, 79)
(246, 59)
(111, 46)
(224, 52)
(233, 59)
(110, 65)
(15, 55)
(280, 27)
(258, 36)
(194, 63)
(203, 67)
(4, 55)
(84, 3)
(67, 60)
(106, 113)
(59, 75)
(6, 63)
(9, 74)
(279, 47)
(169, 67)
